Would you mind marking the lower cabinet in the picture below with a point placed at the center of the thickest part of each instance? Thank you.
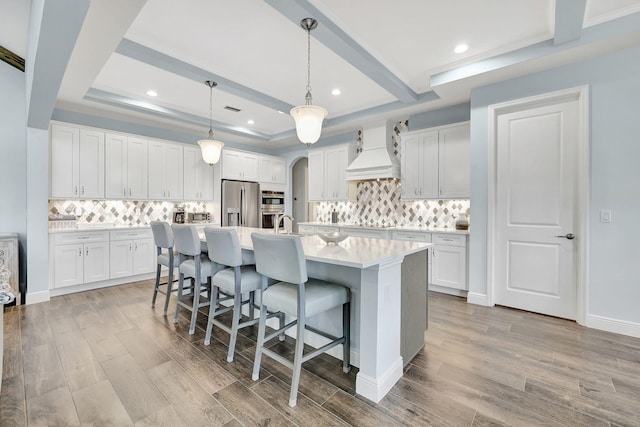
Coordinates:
(132, 253)
(80, 258)
(449, 261)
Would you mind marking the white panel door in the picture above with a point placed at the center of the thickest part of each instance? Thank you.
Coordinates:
(174, 172)
(192, 158)
(96, 262)
(91, 164)
(231, 166)
(534, 265)
(68, 265)
(454, 152)
(120, 259)
(157, 170)
(316, 175)
(137, 168)
(143, 256)
(115, 185)
(64, 162)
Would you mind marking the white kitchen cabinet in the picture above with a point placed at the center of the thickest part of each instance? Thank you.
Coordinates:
(435, 163)
(449, 261)
(366, 232)
(240, 165)
(125, 167)
(81, 257)
(328, 175)
(77, 162)
(166, 171)
(132, 253)
(271, 170)
(198, 176)
(306, 229)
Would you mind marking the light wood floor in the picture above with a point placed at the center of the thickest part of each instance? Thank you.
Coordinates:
(105, 357)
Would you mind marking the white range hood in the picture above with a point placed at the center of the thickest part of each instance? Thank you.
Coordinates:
(376, 161)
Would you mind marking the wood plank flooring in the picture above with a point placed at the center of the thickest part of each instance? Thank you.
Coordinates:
(105, 357)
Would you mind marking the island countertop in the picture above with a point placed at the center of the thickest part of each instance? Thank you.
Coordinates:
(357, 252)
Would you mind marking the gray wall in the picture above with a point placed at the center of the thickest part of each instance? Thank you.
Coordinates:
(13, 209)
(614, 94)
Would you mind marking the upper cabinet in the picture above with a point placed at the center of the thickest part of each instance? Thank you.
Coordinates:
(239, 165)
(435, 163)
(77, 162)
(198, 175)
(125, 167)
(328, 173)
(271, 170)
(166, 166)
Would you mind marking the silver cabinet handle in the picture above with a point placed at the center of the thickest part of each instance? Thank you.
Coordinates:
(129, 191)
(83, 189)
(135, 246)
(124, 192)
(87, 253)
(441, 191)
(80, 252)
(129, 247)
(75, 190)
(568, 236)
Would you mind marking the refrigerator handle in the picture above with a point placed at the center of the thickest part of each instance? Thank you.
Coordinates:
(243, 207)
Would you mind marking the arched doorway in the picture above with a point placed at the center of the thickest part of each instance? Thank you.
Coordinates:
(299, 185)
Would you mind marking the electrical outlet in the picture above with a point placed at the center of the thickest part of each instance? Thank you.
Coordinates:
(605, 216)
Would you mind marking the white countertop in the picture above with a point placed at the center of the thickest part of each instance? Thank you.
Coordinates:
(394, 228)
(358, 252)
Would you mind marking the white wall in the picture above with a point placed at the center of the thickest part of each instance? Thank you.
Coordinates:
(13, 157)
(614, 270)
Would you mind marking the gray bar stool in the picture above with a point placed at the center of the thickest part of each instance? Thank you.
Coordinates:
(280, 257)
(234, 275)
(193, 264)
(167, 257)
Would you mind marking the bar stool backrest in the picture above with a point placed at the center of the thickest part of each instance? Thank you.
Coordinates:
(223, 246)
(186, 238)
(280, 257)
(162, 234)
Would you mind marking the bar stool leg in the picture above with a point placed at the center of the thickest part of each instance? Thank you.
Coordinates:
(169, 286)
(196, 300)
(155, 287)
(212, 308)
(346, 333)
(179, 296)
(297, 360)
(262, 326)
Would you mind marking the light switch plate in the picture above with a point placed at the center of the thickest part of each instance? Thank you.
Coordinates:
(605, 216)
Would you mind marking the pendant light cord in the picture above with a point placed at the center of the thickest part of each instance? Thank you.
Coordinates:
(308, 95)
(210, 110)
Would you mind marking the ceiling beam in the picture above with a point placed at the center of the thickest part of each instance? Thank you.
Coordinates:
(569, 19)
(330, 35)
(157, 59)
(53, 30)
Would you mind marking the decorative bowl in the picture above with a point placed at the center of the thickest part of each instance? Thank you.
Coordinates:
(333, 237)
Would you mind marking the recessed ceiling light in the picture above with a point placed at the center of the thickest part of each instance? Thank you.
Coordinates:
(461, 48)
(152, 93)
(250, 122)
(336, 92)
(280, 112)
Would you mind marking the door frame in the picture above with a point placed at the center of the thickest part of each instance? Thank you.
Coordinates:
(581, 95)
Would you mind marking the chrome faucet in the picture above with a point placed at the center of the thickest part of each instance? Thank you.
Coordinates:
(280, 217)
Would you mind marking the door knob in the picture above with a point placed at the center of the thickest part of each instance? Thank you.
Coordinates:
(569, 236)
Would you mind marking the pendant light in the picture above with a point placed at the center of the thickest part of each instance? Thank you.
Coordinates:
(211, 149)
(308, 117)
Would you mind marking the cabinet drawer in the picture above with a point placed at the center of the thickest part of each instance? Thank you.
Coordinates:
(81, 237)
(450, 239)
(144, 233)
(306, 229)
(364, 232)
(412, 236)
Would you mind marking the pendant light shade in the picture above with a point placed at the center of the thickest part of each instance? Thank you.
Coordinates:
(211, 149)
(308, 117)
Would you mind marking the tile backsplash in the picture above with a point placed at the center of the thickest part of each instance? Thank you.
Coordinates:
(379, 203)
(123, 212)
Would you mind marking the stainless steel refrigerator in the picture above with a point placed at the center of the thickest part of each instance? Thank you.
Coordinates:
(240, 203)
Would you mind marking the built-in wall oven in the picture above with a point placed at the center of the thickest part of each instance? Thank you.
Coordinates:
(272, 204)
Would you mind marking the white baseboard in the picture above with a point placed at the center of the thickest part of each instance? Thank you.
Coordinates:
(96, 285)
(617, 326)
(375, 389)
(448, 291)
(36, 297)
(478, 299)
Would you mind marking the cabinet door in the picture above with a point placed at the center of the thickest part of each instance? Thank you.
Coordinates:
(120, 259)
(316, 175)
(143, 256)
(331, 174)
(341, 184)
(428, 165)
(137, 178)
(96, 262)
(192, 158)
(279, 170)
(454, 162)
(64, 161)
(68, 265)
(115, 166)
(265, 168)
(157, 170)
(249, 167)
(449, 266)
(91, 164)
(205, 181)
(231, 166)
(174, 172)
(411, 155)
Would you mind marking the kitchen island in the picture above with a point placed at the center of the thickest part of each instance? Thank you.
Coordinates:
(372, 269)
